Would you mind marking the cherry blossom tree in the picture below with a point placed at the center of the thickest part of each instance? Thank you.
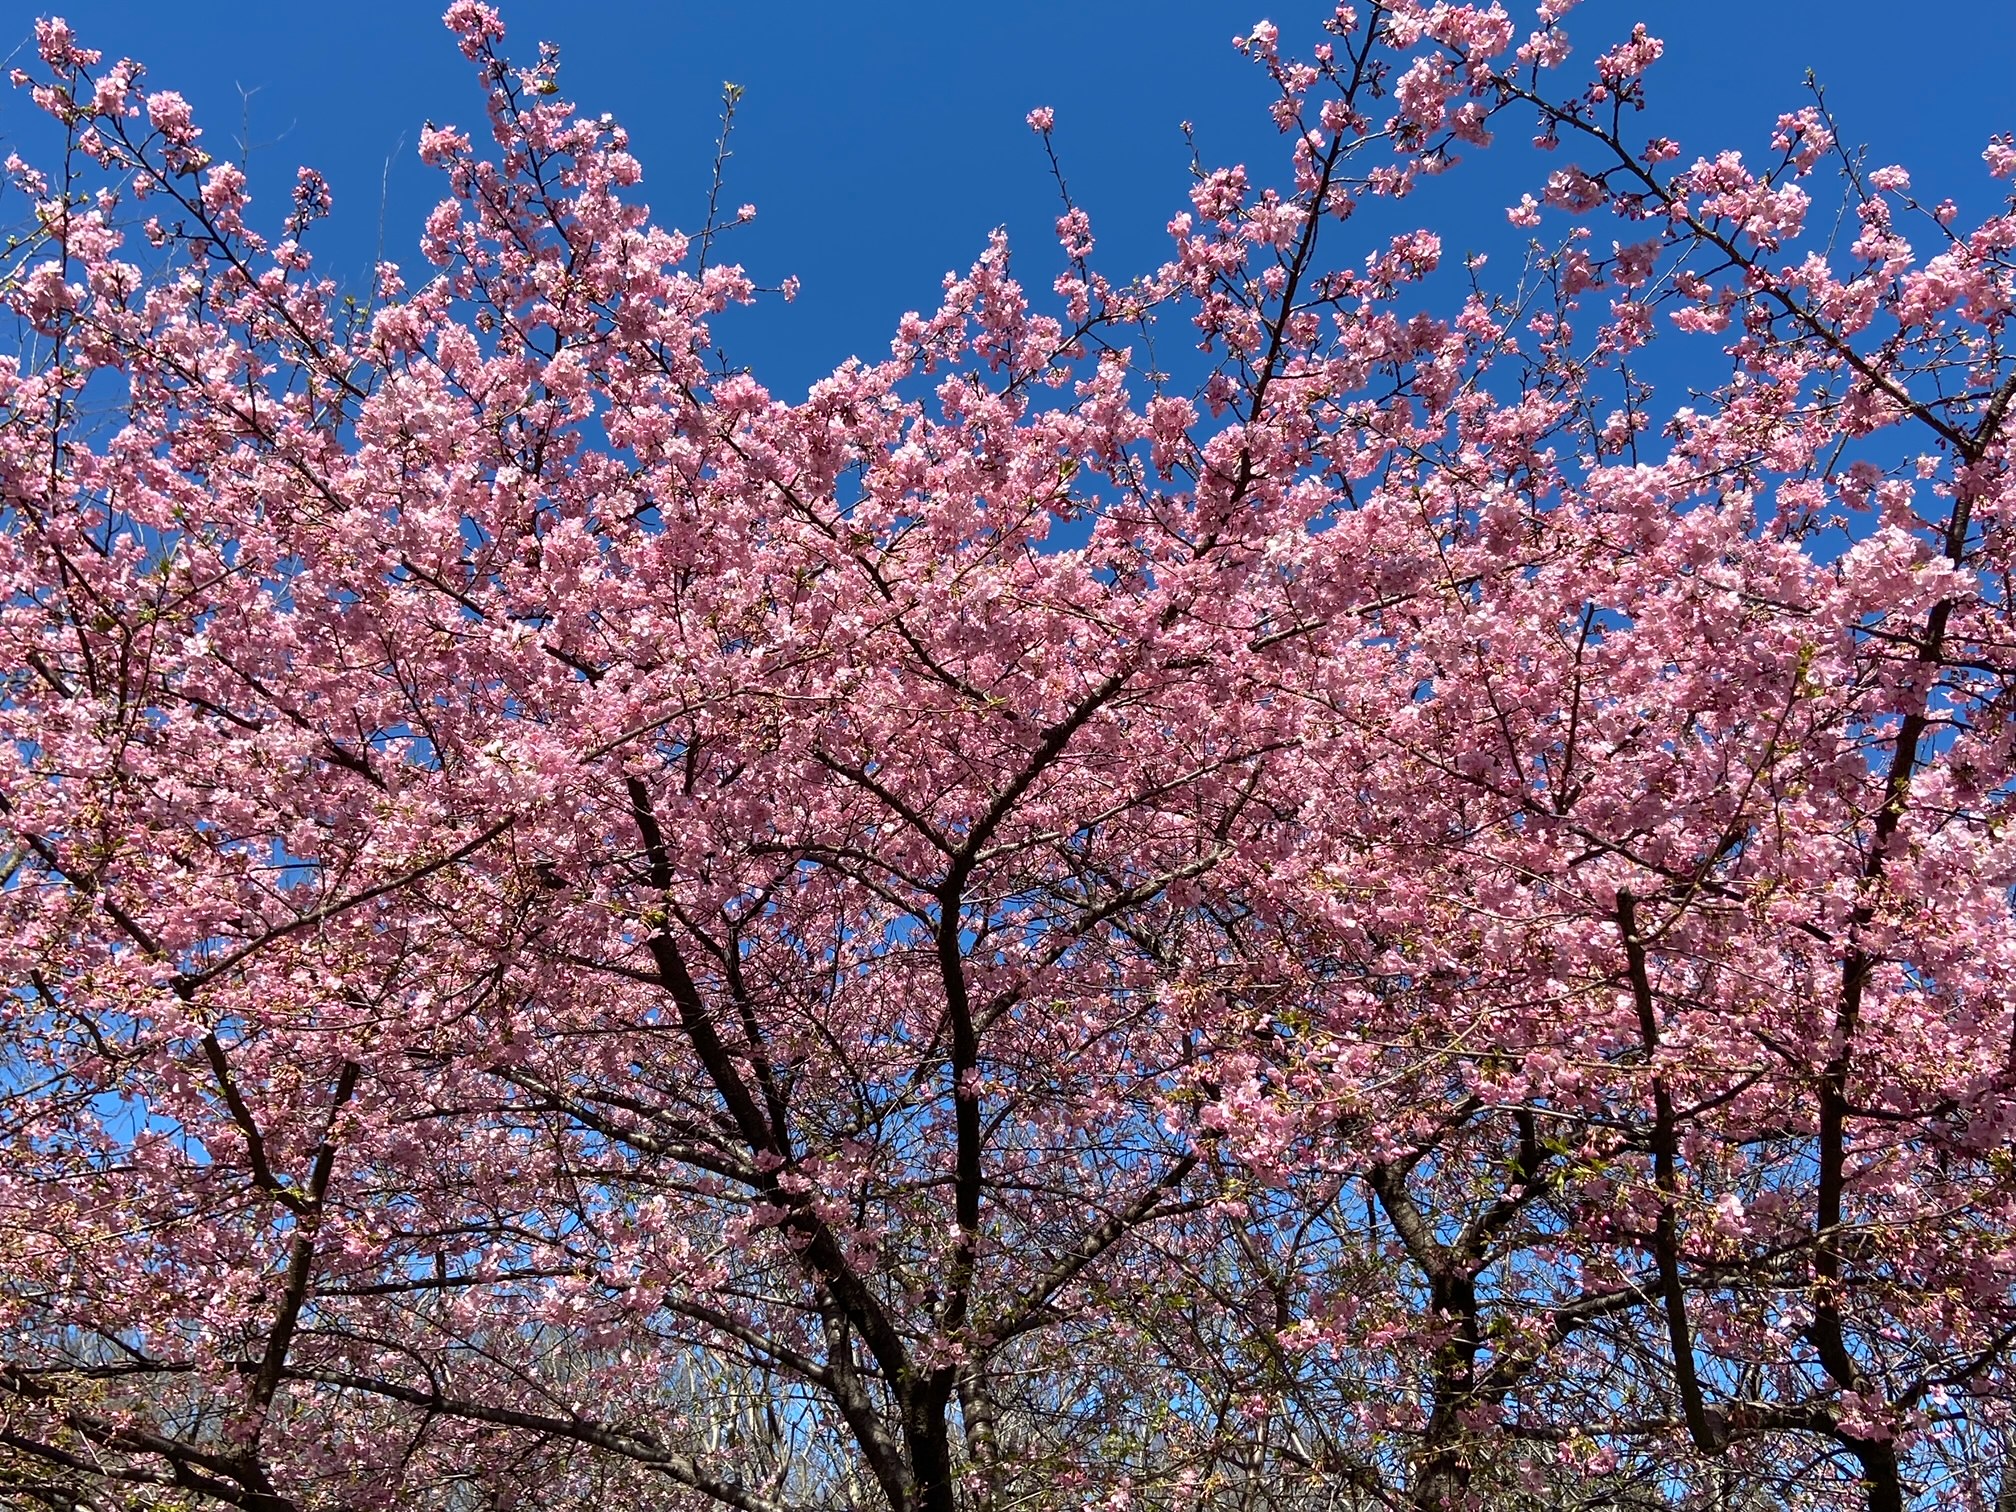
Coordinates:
(1391, 919)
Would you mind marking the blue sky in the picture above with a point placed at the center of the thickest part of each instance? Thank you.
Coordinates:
(882, 140)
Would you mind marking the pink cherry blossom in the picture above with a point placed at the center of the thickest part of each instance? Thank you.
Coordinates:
(1264, 881)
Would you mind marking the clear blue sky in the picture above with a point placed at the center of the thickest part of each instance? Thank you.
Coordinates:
(882, 140)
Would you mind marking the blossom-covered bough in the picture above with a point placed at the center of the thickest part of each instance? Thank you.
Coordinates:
(1389, 921)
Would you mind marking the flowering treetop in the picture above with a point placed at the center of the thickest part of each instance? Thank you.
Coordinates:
(1392, 921)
